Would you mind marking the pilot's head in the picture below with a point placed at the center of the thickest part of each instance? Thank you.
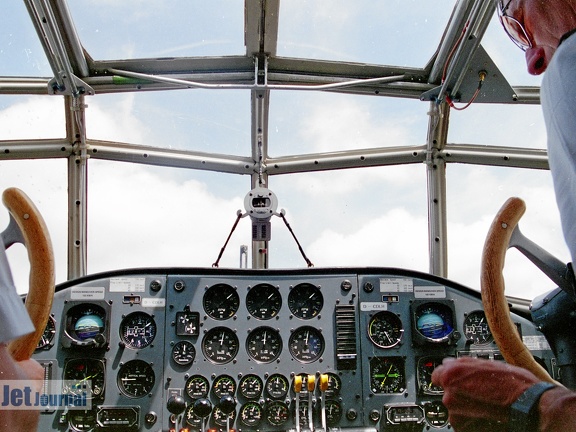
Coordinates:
(537, 26)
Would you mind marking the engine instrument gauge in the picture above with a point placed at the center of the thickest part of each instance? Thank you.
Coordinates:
(47, 338)
(264, 344)
(387, 375)
(220, 345)
(305, 301)
(183, 353)
(434, 321)
(306, 344)
(251, 386)
(136, 378)
(138, 330)
(224, 385)
(476, 328)
(385, 329)
(221, 301)
(82, 371)
(333, 412)
(277, 413)
(263, 301)
(277, 386)
(334, 385)
(197, 387)
(426, 366)
(221, 418)
(191, 418)
(251, 414)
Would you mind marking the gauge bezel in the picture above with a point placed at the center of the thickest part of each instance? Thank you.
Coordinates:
(92, 366)
(386, 364)
(250, 394)
(147, 373)
(47, 339)
(272, 353)
(390, 319)
(445, 310)
(175, 353)
(260, 295)
(424, 377)
(305, 301)
(204, 381)
(210, 354)
(313, 355)
(217, 390)
(227, 307)
(136, 319)
(273, 393)
(73, 311)
(482, 338)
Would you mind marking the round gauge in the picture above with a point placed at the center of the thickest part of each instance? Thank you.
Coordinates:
(47, 338)
(434, 321)
(426, 366)
(334, 385)
(277, 413)
(263, 301)
(277, 386)
(221, 418)
(191, 418)
(333, 412)
(476, 328)
(221, 302)
(138, 330)
(305, 301)
(78, 373)
(85, 323)
(197, 387)
(82, 420)
(183, 353)
(387, 375)
(220, 345)
(251, 414)
(436, 414)
(385, 329)
(136, 378)
(303, 415)
(224, 385)
(251, 386)
(264, 344)
(306, 344)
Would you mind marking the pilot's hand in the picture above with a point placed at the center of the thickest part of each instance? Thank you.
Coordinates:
(29, 370)
(478, 393)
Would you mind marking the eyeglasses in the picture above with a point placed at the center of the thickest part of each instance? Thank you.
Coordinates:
(514, 28)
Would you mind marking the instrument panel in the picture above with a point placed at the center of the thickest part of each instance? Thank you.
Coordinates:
(267, 350)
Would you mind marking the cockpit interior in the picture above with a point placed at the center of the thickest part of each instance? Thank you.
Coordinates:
(272, 216)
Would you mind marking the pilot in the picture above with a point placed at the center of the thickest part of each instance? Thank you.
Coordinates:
(479, 393)
(15, 322)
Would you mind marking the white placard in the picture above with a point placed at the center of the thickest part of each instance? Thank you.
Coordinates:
(405, 285)
(87, 293)
(427, 291)
(127, 284)
(536, 342)
(150, 302)
(373, 306)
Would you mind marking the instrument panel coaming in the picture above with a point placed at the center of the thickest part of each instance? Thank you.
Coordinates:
(246, 349)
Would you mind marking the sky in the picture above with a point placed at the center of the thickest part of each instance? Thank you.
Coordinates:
(143, 216)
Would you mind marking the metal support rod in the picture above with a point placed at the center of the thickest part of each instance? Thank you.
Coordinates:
(436, 176)
(77, 188)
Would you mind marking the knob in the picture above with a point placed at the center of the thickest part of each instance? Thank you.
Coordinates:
(227, 404)
(202, 408)
(176, 404)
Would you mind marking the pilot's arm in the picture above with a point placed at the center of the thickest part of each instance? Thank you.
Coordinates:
(15, 322)
(478, 393)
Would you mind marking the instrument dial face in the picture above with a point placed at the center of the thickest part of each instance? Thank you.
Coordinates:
(191, 418)
(277, 413)
(436, 414)
(251, 386)
(197, 387)
(334, 385)
(138, 330)
(264, 344)
(277, 386)
(387, 375)
(82, 420)
(183, 353)
(224, 385)
(333, 412)
(263, 301)
(77, 372)
(476, 328)
(85, 322)
(305, 301)
(385, 329)
(221, 302)
(251, 414)
(434, 321)
(222, 419)
(306, 344)
(47, 337)
(426, 366)
(136, 378)
(220, 345)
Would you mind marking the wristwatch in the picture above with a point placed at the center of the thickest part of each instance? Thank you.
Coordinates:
(524, 411)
